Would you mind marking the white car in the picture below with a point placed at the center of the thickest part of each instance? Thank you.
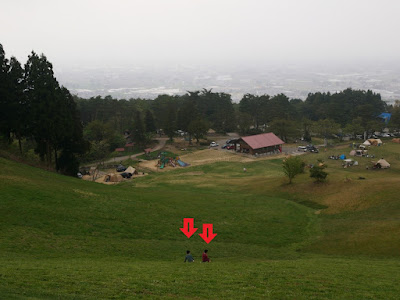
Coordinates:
(302, 149)
(213, 144)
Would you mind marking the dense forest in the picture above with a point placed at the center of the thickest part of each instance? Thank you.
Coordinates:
(34, 107)
(63, 129)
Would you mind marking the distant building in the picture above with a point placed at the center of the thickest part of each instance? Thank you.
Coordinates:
(129, 146)
(260, 143)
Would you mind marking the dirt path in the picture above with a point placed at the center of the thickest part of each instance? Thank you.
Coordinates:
(160, 145)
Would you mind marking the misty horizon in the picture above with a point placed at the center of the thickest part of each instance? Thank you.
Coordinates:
(98, 45)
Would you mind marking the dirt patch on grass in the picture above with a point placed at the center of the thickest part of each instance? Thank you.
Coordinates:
(193, 173)
(152, 166)
(207, 156)
(85, 193)
(15, 178)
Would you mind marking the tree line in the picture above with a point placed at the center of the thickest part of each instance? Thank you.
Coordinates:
(33, 106)
(346, 112)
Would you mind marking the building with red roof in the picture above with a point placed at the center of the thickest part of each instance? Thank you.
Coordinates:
(260, 143)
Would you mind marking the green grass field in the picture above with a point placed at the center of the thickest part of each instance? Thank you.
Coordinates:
(64, 238)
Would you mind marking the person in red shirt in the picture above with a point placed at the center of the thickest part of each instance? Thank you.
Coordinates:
(205, 258)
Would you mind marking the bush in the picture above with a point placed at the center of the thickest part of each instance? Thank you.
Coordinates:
(318, 173)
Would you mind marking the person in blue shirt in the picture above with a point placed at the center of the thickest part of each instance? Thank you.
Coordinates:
(189, 257)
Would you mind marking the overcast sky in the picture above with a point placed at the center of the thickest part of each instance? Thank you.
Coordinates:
(118, 32)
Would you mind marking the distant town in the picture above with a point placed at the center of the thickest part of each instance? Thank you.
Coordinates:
(293, 81)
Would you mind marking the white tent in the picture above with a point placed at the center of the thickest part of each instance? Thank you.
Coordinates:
(384, 164)
(130, 170)
(367, 143)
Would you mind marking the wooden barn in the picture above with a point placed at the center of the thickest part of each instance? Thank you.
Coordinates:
(259, 144)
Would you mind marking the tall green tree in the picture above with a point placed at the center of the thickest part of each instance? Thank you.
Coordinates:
(149, 121)
(245, 121)
(285, 129)
(326, 128)
(5, 113)
(138, 131)
(170, 122)
(293, 166)
(394, 122)
(42, 93)
(255, 106)
(198, 128)
(55, 123)
(18, 105)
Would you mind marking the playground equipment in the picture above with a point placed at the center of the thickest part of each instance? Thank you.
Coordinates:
(164, 161)
(181, 163)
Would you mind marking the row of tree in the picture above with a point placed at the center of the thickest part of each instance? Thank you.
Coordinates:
(34, 106)
(353, 111)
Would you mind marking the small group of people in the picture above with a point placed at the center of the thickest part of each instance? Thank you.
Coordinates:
(204, 257)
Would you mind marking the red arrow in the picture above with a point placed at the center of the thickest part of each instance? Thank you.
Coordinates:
(188, 227)
(207, 234)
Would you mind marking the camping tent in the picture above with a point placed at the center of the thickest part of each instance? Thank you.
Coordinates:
(375, 142)
(211, 131)
(342, 157)
(353, 152)
(367, 143)
(384, 164)
(115, 178)
(130, 170)
(396, 141)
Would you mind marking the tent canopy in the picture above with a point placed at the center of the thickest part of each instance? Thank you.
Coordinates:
(375, 142)
(367, 143)
(130, 170)
(383, 163)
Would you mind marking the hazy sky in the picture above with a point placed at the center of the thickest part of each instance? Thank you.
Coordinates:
(117, 32)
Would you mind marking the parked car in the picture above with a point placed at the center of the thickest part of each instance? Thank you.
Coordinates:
(312, 149)
(224, 146)
(302, 149)
(230, 147)
(121, 168)
(213, 144)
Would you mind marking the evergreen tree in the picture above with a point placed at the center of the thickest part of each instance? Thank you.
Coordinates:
(19, 108)
(138, 130)
(317, 172)
(5, 112)
(42, 92)
(149, 121)
(170, 123)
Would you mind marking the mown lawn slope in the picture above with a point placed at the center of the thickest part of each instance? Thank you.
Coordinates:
(65, 238)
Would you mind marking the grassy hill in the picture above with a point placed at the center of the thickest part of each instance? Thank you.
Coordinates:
(65, 238)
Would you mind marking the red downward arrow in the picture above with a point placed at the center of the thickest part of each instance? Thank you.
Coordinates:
(207, 234)
(188, 227)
